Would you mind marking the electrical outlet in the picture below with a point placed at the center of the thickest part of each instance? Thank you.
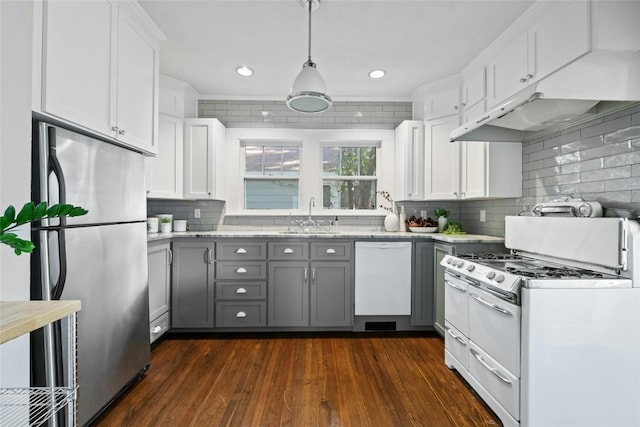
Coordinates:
(483, 215)
(196, 213)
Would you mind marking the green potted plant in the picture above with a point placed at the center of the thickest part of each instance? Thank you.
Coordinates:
(165, 225)
(442, 214)
(31, 212)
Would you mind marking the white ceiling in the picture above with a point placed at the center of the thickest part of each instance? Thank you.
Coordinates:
(415, 41)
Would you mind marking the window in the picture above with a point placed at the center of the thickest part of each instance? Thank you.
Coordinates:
(349, 177)
(271, 176)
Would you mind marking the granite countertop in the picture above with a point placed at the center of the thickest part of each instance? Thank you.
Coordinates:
(346, 234)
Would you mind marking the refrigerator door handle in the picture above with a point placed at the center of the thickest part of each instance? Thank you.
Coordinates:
(56, 291)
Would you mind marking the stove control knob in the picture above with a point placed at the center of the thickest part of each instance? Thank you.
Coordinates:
(471, 267)
(500, 278)
(449, 260)
(460, 264)
(491, 275)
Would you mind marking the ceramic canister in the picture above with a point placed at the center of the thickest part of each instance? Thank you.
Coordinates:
(152, 224)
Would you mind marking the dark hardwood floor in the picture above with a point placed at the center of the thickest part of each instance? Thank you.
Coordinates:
(389, 379)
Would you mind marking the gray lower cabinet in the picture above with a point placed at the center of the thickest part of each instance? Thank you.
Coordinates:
(310, 284)
(331, 293)
(159, 265)
(288, 293)
(422, 298)
(192, 287)
(241, 287)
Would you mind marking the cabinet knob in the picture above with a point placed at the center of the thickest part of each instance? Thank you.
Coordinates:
(156, 330)
(241, 291)
(288, 251)
(241, 314)
(455, 107)
(241, 270)
(526, 78)
(114, 128)
(241, 251)
(330, 251)
(121, 131)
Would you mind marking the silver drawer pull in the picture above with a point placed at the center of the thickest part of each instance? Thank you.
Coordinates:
(288, 251)
(241, 251)
(330, 251)
(241, 314)
(492, 306)
(456, 337)
(156, 330)
(241, 270)
(241, 291)
(494, 371)
(454, 286)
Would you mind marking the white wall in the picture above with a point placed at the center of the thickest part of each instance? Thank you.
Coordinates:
(16, 23)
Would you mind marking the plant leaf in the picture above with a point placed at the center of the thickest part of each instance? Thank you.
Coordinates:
(65, 209)
(19, 245)
(77, 211)
(53, 211)
(26, 213)
(10, 214)
(4, 223)
(40, 211)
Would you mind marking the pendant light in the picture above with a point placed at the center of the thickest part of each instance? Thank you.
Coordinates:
(308, 93)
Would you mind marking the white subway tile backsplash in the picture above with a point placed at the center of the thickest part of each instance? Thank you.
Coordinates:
(622, 184)
(605, 127)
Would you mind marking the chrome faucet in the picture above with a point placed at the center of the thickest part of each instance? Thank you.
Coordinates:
(309, 222)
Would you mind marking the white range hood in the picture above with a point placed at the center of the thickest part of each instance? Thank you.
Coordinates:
(598, 83)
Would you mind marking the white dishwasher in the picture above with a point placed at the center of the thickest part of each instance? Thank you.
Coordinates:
(383, 279)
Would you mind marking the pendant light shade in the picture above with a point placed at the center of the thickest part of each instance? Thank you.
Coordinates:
(308, 93)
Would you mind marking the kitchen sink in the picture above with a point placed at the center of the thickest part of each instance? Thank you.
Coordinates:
(304, 232)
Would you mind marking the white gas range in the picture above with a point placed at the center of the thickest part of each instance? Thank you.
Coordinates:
(549, 334)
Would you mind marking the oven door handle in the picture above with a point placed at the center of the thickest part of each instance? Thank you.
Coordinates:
(494, 371)
(456, 337)
(454, 286)
(492, 306)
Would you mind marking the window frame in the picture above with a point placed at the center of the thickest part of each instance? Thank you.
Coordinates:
(310, 176)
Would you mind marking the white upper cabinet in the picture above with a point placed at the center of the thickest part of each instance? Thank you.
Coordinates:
(204, 141)
(474, 89)
(559, 37)
(99, 68)
(442, 160)
(165, 171)
(442, 104)
(409, 157)
(137, 83)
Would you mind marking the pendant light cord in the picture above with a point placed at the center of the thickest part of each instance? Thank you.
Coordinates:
(310, 3)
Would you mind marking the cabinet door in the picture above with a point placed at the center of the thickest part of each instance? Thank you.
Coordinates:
(443, 160)
(441, 104)
(409, 152)
(203, 147)
(474, 89)
(288, 293)
(558, 40)
(474, 169)
(164, 172)
(422, 300)
(331, 297)
(159, 263)
(508, 71)
(77, 62)
(137, 65)
(192, 304)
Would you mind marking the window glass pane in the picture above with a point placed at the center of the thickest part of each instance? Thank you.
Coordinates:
(367, 161)
(331, 161)
(272, 160)
(253, 160)
(271, 193)
(349, 194)
(349, 161)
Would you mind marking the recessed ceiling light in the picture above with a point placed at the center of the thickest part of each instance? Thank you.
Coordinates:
(244, 71)
(377, 74)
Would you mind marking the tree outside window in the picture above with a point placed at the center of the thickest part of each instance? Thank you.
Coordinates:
(349, 177)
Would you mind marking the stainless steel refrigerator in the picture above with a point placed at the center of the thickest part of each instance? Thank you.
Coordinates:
(99, 259)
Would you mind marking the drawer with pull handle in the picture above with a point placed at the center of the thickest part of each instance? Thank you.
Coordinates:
(158, 327)
(241, 290)
(238, 270)
(240, 249)
(288, 250)
(331, 250)
(241, 314)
